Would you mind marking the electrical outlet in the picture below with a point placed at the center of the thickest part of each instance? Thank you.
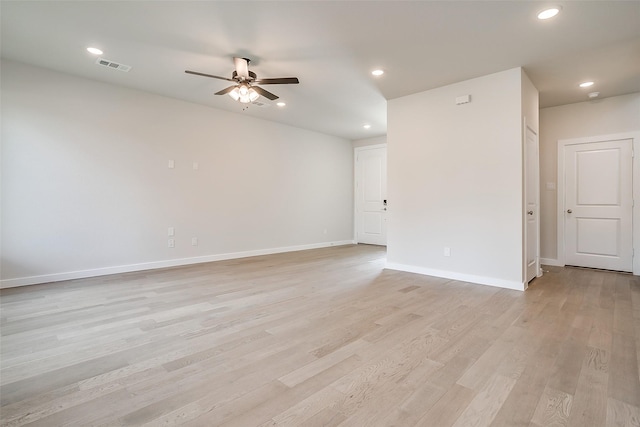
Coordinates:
(194, 241)
(171, 243)
(447, 251)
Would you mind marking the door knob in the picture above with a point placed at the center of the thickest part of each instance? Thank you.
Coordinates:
(529, 212)
(569, 211)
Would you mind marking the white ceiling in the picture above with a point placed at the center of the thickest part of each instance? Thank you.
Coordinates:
(331, 46)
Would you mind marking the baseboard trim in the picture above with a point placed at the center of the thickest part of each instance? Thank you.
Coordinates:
(551, 261)
(82, 274)
(471, 278)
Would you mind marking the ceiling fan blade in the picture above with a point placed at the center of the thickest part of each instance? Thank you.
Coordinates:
(265, 93)
(280, 81)
(225, 91)
(242, 67)
(208, 75)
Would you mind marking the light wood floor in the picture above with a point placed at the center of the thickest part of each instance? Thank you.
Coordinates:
(321, 338)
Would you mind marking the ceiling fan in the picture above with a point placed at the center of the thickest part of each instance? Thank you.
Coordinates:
(244, 89)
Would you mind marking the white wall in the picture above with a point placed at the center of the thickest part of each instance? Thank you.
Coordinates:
(86, 189)
(455, 180)
(593, 118)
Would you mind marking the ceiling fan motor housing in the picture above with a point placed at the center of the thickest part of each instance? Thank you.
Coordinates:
(252, 76)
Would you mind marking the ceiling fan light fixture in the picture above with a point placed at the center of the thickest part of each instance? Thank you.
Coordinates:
(586, 84)
(244, 94)
(235, 94)
(253, 95)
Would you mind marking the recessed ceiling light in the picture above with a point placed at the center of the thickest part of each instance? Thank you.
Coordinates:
(94, 50)
(377, 72)
(594, 94)
(367, 126)
(586, 84)
(549, 13)
(281, 104)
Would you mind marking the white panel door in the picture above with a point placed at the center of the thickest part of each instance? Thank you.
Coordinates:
(531, 206)
(371, 195)
(598, 205)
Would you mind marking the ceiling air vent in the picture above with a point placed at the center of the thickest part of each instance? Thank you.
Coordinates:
(113, 65)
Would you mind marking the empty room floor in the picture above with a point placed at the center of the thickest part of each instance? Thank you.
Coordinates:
(320, 338)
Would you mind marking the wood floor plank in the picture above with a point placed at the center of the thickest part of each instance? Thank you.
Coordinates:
(624, 384)
(553, 408)
(568, 364)
(530, 367)
(19, 390)
(307, 397)
(485, 405)
(311, 369)
(621, 414)
(305, 409)
(589, 405)
(601, 328)
(325, 418)
(476, 376)
(414, 406)
(320, 337)
(448, 408)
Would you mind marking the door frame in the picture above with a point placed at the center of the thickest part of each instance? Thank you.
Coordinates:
(357, 151)
(635, 184)
(524, 205)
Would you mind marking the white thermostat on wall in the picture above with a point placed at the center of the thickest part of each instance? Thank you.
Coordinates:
(464, 99)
